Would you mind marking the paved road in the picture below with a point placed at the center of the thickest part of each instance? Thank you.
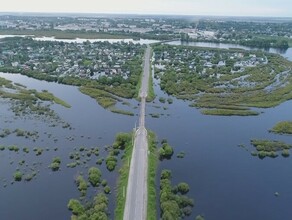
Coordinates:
(136, 197)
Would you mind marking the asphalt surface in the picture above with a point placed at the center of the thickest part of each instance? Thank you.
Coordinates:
(136, 196)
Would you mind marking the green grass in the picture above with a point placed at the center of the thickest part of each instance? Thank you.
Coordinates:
(229, 112)
(267, 148)
(283, 127)
(103, 98)
(120, 111)
(152, 166)
(151, 93)
(47, 96)
(123, 182)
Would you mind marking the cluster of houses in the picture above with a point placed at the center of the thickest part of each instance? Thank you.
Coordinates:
(201, 60)
(90, 60)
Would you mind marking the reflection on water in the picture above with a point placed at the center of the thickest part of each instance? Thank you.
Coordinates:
(225, 180)
(287, 53)
(47, 196)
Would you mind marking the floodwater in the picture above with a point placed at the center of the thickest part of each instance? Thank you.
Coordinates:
(82, 40)
(47, 196)
(226, 181)
(287, 53)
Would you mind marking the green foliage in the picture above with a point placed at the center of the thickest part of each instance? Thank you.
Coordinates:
(170, 100)
(216, 89)
(152, 167)
(229, 112)
(94, 175)
(46, 96)
(120, 111)
(200, 217)
(17, 176)
(81, 184)
(183, 188)
(285, 153)
(161, 99)
(165, 174)
(123, 180)
(268, 145)
(122, 140)
(76, 207)
(13, 148)
(111, 162)
(267, 148)
(107, 189)
(173, 205)
(103, 98)
(284, 127)
(56, 163)
(104, 183)
(38, 151)
(165, 152)
(25, 150)
(99, 161)
(151, 94)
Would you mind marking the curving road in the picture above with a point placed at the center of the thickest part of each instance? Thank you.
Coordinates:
(136, 197)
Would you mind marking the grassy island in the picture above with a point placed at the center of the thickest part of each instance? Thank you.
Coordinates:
(267, 148)
(283, 127)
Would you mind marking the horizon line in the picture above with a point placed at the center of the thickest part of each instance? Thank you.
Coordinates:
(142, 14)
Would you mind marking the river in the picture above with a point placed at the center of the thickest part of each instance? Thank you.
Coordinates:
(225, 180)
(81, 40)
(287, 53)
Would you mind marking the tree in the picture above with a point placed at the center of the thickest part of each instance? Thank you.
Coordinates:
(94, 175)
(183, 188)
(165, 174)
(165, 152)
(76, 207)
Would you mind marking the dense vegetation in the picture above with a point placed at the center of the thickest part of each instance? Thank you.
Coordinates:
(55, 165)
(214, 78)
(103, 88)
(98, 209)
(173, 202)
(152, 168)
(283, 127)
(165, 152)
(267, 148)
(123, 142)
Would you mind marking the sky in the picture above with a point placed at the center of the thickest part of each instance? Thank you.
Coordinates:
(263, 8)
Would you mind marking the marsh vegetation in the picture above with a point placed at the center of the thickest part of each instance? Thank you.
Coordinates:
(221, 81)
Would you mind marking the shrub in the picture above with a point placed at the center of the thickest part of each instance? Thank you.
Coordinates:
(55, 165)
(76, 207)
(285, 153)
(17, 176)
(94, 175)
(165, 152)
(183, 188)
(111, 162)
(107, 189)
